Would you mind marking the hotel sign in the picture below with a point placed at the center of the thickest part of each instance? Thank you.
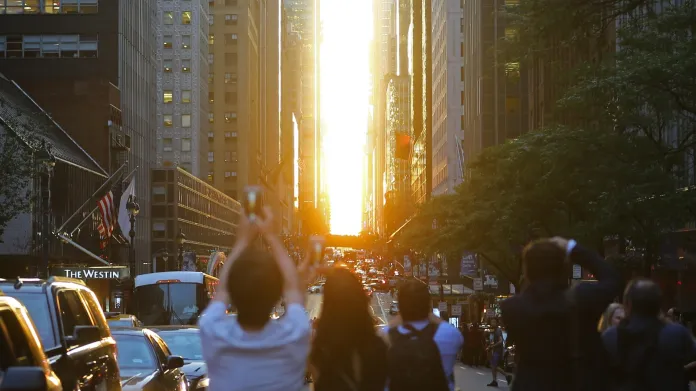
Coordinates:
(92, 273)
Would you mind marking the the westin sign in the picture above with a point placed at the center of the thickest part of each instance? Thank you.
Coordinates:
(92, 273)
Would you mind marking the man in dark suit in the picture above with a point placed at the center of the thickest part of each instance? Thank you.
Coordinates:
(555, 327)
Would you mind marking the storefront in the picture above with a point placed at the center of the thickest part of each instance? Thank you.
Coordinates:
(107, 282)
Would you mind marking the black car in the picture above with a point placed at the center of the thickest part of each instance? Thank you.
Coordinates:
(73, 331)
(185, 341)
(146, 362)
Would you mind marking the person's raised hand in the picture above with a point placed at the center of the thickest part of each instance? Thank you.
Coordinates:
(246, 230)
(266, 223)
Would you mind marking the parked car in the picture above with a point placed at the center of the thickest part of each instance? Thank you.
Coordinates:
(185, 341)
(117, 319)
(147, 363)
(23, 365)
(318, 288)
(72, 329)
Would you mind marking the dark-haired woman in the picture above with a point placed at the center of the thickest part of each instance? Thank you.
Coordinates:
(347, 354)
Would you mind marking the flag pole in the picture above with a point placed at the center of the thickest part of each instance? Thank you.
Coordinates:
(94, 195)
(84, 250)
(83, 221)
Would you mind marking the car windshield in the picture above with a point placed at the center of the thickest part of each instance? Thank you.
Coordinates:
(37, 305)
(164, 304)
(120, 323)
(134, 352)
(186, 344)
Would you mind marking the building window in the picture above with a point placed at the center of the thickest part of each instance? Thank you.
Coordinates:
(230, 78)
(186, 145)
(228, 156)
(211, 136)
(186, 17)
(211, 58)
(211, 176)
(231, 39)
(167, 96)
(49, 7)
(211, 97)
(230, 3)
(231, 19)
(185, 65)
(167, 41)
(211, 156)
(167, 144)
(230, 134)
(211, 20)
(186, 96)
(49, 46)
(186, 41)
(512, 71)
(211, 118)
(211, 39)
(185, 120)
(230, 117)
(168, 17)
(168, 120)
(167, 65)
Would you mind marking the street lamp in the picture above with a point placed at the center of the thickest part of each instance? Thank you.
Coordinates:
(133, 210)
(45, 157)
(180, 239)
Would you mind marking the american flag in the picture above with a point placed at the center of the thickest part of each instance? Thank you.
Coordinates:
(107, 211)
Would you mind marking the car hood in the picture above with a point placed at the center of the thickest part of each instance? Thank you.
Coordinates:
(194, 369)
(136, 379)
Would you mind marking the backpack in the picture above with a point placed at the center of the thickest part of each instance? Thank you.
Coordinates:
(413, 361)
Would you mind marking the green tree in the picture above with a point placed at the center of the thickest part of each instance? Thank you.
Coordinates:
(15, 177)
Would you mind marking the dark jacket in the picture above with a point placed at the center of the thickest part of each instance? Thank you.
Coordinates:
(649, 355)
(557, 343)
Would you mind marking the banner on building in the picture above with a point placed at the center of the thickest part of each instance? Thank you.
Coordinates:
(468, 265)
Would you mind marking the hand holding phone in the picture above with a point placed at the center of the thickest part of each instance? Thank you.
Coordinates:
(253, 202)
(316, 248)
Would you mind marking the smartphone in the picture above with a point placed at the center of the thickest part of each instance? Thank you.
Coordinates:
(253, 202)
(316, 246)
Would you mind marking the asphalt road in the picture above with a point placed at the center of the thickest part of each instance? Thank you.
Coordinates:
(467, 378)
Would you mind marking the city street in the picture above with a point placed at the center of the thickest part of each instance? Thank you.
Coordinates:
(467, 378)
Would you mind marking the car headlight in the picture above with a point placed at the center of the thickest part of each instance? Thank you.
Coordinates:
(203, 383)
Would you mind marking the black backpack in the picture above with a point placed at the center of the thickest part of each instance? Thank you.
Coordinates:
(413, 361)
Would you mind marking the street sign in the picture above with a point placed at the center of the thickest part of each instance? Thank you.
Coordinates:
(456, 310)
(577, 272)
(478, 284)
(442, 306)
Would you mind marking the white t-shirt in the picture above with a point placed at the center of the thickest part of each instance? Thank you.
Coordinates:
(272, 359)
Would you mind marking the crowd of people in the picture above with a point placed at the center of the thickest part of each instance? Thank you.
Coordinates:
(554, 329)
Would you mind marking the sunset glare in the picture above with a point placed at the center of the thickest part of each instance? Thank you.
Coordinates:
(345, 76)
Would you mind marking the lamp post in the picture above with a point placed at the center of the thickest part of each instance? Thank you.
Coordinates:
(180, 239)
(133, 210)
(45, 157)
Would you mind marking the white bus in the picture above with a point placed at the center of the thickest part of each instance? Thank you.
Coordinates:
(172, 298)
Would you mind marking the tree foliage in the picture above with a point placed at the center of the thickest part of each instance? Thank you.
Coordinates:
(626, 165)
(15, 177)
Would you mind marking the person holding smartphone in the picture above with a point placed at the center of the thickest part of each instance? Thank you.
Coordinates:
(250, 351)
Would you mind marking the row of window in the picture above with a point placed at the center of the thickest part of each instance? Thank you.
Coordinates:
(228, 3)
(230, 39)
(168, 96)
(228, 135)
(168, 17)
(168, 65)
(230, 156)
(230, 78)
(168, 120)
(230, 98)
(229, 175)
(230, 117)
(167, 143)
(49, 6)
(48, 46)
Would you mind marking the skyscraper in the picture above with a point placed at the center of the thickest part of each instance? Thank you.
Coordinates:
(182, 89)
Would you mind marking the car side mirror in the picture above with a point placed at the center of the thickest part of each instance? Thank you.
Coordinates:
(84, 335)
(174, 362)
(24, 379)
